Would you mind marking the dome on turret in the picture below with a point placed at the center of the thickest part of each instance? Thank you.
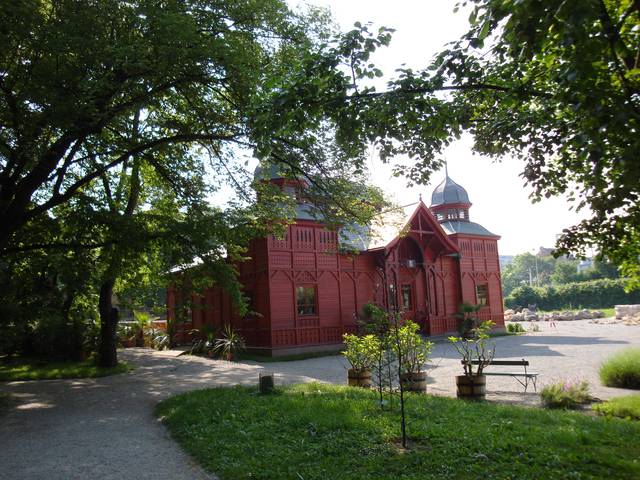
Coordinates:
(449, 192)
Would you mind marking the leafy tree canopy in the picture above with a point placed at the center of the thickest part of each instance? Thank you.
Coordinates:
(532, 270)
(203, 79)
(554, 83)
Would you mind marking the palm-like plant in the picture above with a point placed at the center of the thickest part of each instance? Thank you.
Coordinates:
(229, 343)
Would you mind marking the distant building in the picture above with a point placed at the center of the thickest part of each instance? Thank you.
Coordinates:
(423, 261)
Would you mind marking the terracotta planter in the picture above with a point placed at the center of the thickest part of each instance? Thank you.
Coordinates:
(414, 382)
(471, 388)
(359, 378)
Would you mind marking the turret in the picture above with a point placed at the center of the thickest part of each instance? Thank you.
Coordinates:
(450, 201)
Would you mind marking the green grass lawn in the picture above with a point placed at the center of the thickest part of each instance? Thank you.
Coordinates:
(317, 431)
(608, 312)
(30, 369)
(623, 407)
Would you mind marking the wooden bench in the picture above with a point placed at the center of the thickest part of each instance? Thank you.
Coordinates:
(527, 376)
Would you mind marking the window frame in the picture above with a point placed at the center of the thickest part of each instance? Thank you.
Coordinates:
(485, 286)
(300, 313)
(403, 288)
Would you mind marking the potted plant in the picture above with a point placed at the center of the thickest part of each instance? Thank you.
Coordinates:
(476, 355)
(414, 351)
(127, 336)
(142, 323)
(230, 343)
(468, 317)
(360, 355)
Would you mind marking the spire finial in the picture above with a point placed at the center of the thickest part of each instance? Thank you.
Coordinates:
(446, 169)
(420, 197)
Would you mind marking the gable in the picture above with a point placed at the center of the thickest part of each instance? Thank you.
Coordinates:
(414, 220)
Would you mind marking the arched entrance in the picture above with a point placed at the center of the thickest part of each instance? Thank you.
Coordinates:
(410, 278)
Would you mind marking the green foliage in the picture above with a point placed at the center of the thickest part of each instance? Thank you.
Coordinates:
(566, 394)
(540, 271)
(525, 268)
(623, 407)
(158, 339)
(28, 369)
(468, 318)
(591, 294)
(475, 347)
(361, 350)
(554, 84)
(413, 348)
(229, 343)
(112, 150)
(622, 370)
(515, 328)
(315, 431)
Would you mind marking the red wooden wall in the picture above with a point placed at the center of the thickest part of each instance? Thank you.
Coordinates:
(446, 273)
(479, 264)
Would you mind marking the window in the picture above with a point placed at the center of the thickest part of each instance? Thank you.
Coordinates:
(407, 297)
(306, 300)
(482, 294)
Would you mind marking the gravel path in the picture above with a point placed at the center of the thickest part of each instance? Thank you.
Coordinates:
(104, 428)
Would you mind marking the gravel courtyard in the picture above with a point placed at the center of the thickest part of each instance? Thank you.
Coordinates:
(104, 428)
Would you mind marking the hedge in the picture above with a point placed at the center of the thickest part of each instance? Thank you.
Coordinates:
(602, 293)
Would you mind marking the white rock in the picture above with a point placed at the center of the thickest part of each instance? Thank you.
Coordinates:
(626, 311)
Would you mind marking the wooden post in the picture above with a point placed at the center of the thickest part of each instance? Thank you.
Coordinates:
(266, 383)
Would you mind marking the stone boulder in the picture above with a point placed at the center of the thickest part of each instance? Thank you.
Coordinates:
(567, 315)
(582, 315)
(623, 311)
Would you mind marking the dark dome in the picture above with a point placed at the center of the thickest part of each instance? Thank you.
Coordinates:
(449, 192)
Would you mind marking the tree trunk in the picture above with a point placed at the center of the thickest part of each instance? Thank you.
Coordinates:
(107, 354)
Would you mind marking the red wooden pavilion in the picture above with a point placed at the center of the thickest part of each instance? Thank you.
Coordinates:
(424, 260)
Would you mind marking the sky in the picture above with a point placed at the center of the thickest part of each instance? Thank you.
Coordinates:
(500, 200)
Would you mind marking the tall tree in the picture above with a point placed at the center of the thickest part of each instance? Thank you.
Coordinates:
(552, 82)
(96, 95)
(204, 74)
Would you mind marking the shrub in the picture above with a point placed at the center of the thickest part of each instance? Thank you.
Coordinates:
(592, 294)
(413, 348)
(229, 343)
(361, 351)
(623, 407)
(515, 328)
(565, 394)
(468, 317)
(622, 370)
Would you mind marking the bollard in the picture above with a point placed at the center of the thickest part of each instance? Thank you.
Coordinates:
(266, 383)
